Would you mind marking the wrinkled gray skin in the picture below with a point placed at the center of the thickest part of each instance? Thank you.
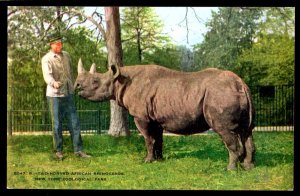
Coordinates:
(182, 103)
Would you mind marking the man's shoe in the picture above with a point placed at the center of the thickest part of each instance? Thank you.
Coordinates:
(59, 155)
(82, 154)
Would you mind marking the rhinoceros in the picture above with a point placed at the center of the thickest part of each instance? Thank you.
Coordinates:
(162, 99)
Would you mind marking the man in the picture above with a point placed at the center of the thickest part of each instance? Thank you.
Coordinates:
(57, 72)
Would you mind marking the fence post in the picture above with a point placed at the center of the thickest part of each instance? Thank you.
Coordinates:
(10, 123)
(99, 122)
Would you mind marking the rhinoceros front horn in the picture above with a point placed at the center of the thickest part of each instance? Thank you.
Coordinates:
(80, 68)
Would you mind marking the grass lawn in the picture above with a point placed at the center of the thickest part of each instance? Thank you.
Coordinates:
(195, 162)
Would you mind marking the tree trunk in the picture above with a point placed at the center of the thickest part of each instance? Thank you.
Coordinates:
(119, 116)
(139, 46)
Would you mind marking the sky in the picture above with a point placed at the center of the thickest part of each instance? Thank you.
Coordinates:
(174, 25)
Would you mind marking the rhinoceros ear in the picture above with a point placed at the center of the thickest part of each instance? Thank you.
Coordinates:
(80, 68)
(93, 68)
(114, 69)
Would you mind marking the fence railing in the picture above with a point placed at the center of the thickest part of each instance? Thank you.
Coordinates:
(274, 106)
(28, 111)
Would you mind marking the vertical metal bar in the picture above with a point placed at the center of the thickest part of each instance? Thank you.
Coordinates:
(273, 107)
(277, 90)
(268, 116)
(98, 122)
(10, 123)
(281, 121)
(293, 106)
(286, 94)
(257, 107)
(275, 124)
(283, 102)
(260, 110)
(29, 120)
(290, 109)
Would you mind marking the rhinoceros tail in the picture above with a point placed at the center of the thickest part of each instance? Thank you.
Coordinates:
(250, 107)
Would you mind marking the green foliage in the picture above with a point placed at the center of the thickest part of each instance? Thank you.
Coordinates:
(130, 56)
(28, 28)
(271, 59)
(256, 43)
(167, 56)
(279, 20)
(191, 163)
(141, 34)
(231, 30)
(80, 43)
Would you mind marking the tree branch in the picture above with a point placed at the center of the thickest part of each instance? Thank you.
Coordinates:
(186, 23)
(76, 23)
(197, 17)
(12, 12)
(125, 40)
(90, 18)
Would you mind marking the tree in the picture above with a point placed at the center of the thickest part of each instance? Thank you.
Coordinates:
(179, 58)
(119, 116)
(230, 31)
(167, 56)
(28, 28)
(270, 60)
(27, 43)
(187, 59)
(141, 33)
(112, 38)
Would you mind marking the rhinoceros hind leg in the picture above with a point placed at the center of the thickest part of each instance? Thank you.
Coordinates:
(158, 144)
(234, 147)
(250, 151)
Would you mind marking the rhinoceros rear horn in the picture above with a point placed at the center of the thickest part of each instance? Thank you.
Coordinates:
(80, 68)
(115, 71)
(93, 68)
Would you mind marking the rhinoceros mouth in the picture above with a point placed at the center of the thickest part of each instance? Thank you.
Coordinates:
(80, 92)
(84, 94)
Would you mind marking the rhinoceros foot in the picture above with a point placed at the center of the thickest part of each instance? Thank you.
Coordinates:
(231, 167)
(248, 166)
(149, 159)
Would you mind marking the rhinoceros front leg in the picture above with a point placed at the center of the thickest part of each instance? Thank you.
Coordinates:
(153, 139)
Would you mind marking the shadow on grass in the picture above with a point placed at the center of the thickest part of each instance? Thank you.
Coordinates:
(215, 155)
(262, 159)
(272, 159)
(97, 145)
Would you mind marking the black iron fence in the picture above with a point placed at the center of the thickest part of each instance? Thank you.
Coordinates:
(28, 111)
(274, 106)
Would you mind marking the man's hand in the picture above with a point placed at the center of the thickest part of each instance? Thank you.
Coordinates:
(57, 84)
